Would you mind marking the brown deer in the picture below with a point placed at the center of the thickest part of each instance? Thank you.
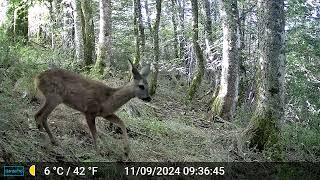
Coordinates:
(90, 97)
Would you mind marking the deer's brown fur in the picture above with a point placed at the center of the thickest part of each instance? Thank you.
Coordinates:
(90, 97)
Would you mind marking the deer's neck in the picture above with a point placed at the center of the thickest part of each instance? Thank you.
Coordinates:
(121, 96)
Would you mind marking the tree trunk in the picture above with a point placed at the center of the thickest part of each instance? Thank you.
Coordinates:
(224, 104)
(148, 15)
(88, 32)
(141, 26)
(243, 79)
(104, 52)
(199, 55)
(175, 33)
(208, 22)
(263, 130)
(67, 26)
(136, 32)
(55, 16)
(78, 33)
(182, 4)
(156, 50)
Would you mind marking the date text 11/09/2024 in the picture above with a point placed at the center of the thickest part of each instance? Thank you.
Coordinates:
(174, 171)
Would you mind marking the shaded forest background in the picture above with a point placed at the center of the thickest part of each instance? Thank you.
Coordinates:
(184, 42)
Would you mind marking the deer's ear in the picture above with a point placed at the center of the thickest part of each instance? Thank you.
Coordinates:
(134, 71)
(145, 71)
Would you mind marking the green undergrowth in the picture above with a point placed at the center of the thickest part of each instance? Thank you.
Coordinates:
(166, 129)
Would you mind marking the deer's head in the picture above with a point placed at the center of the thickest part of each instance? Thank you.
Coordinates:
(140, 82)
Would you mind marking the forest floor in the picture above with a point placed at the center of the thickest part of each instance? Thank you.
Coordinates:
(165, 129)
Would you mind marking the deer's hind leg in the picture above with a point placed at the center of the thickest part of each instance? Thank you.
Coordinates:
(116, 120)
(92, 126)
(41, 117)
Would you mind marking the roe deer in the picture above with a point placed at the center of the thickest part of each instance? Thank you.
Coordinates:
(90, 97)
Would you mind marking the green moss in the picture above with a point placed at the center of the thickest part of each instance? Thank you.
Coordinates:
(264, 135)
(195, 85)
(216, 106)
(154, 83)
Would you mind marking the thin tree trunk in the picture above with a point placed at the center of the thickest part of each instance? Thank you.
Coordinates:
(243, 79)
(196, 82)
(208, 22)
(78, 33)
(88, 32)
(156, 50)
(55, 14)
(148, 15)
(181, 33)
(224, 104)
(141, 26)
(104, 52)
(136, 32)
(175, 33)
(263, 131)
(67, 35)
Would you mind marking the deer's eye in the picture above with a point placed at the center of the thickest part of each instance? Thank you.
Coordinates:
(141, 87)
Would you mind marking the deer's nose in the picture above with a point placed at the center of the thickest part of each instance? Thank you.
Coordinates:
(148, 99)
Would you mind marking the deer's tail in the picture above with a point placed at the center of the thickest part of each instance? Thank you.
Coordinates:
(37, 93)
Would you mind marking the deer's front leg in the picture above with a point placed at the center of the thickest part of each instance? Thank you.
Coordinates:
(116, 120)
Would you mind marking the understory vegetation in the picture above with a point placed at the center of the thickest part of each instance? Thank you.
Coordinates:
(166, 129)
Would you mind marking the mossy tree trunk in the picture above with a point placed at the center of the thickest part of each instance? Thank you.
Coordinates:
(104, 52)
(175, 33)
(88, 27)
(78, 35)
(156, 49)
(263, 131)
(224, 104)
(199, 55)
(243, 79)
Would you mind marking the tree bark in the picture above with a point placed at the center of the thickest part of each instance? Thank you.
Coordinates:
(175, 33)
(141, 26)
(181, 31)
(156, 50)
(148, 15)
(208, 21)
(88, 32)
(67, 26)
(263, 131)
(199, 55)
(104, 52)
(78, 18)
(136, 32)
(243, 79)
(224, 104)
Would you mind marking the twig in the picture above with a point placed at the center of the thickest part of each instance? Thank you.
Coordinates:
(210, 91)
